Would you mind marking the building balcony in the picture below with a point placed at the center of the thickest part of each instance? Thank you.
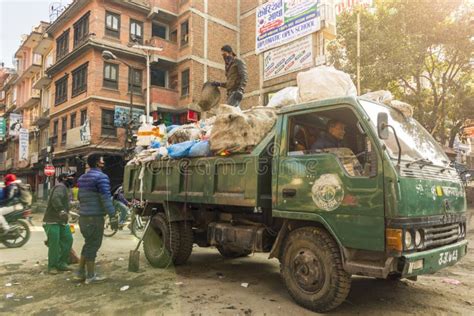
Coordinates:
(41, 80)
(164, 10)
(170, 49)
(31, 100)
(163, 98)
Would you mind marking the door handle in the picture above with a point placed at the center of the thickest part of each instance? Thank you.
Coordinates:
(289, 192)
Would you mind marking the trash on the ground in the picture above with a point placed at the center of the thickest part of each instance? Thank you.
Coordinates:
(8, 284)
(121, 259)
(124, 288)
(68, 279)
(244, 285)
(220, 275)
(29, 297)
(9, 295)
(36, 265)
(16, 283)
(179, 283)
(452, 281)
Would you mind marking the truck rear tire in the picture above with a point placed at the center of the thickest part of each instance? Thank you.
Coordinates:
(311, 267)
(185, 242)
(231, 253)
(161, 242)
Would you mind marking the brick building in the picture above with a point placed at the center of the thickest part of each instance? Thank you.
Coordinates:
(76, 92)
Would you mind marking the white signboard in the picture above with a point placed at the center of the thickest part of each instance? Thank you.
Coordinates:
(347, 5)
(23, 139)
(292, 57)
(282, 21)
(16, 123)
(79, 136)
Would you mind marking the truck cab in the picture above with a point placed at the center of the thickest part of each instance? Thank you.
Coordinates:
(382, 202)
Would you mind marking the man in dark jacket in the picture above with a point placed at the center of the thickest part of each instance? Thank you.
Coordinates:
(56, 227)
(336, 130)
(95, 202)
(236, 75)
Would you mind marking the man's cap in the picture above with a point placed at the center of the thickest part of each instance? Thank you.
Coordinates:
(227, 48)
(66, 175)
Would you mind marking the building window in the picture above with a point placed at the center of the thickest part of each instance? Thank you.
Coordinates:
(73, 120)
(62, 45)
(81, 29)
(63, 130)
(136, 31)
(159, 30)
(185, 83)
(111, 75)
(135, 80)
(184, 33)
(112, 24)
(54, 138)
(159, 77)
(83, 116)
(60, 95)
(108, 128)
(174, 36)
(79, 79)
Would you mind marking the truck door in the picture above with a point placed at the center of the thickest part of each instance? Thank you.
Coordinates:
(338, 180)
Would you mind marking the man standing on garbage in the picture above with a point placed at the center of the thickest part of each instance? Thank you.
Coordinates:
(95, 202)
(56, 227)
(236, 76)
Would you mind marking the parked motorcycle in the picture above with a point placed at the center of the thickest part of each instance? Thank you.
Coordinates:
(20, 232)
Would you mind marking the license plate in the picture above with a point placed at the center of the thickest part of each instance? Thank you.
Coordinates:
(447, 257)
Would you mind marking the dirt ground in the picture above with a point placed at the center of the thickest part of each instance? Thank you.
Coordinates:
(210, 285)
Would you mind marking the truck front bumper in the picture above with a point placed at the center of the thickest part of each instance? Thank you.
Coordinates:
(432, 260)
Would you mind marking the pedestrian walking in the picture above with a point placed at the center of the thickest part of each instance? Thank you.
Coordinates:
(236, 76)
(95, 202)
(56, 227)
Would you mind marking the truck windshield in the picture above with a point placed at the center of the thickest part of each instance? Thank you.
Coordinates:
(416, 143)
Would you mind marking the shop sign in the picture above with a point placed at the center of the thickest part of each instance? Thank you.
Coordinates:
(289, 58)
(16, 124)
(23, 140)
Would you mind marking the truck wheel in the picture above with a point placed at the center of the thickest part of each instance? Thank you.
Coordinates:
(311, 266)
(231, 253)
(161, 242)
(185, 242)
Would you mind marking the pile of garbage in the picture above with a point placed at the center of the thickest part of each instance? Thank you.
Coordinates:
(229, 130)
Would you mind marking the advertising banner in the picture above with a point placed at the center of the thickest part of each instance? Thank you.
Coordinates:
(121, 115)
(16, 123)
(79, 136)
(281, 21)
(291, 57)
(3, 128)
(23, 139)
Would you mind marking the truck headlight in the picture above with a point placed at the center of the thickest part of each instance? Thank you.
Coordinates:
(418, 239)
(408, 240)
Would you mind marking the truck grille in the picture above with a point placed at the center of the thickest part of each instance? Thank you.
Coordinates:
(440, 235)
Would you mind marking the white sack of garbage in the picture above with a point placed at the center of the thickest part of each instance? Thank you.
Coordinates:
(284, 97)
(239, 131)
(324, 82)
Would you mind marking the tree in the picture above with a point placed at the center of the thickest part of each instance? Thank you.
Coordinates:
(419, 50)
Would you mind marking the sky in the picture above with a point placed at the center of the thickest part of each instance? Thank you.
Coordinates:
(18, 17)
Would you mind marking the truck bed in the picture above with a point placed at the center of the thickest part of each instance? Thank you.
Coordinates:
(238, 180)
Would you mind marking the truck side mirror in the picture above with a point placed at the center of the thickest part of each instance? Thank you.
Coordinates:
(382, 125)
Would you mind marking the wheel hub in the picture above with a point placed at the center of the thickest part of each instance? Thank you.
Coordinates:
(308, 271)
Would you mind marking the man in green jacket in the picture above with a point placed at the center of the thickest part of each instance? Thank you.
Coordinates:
(236, 75)
(56, 227)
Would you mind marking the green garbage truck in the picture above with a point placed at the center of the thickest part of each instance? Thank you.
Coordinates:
(384, 203)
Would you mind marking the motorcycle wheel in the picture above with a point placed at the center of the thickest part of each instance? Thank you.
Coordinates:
(18, 238)
(108, 231)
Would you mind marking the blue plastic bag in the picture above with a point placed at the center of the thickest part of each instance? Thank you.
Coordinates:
(180, 150)
(200, 149)
(170, 128)
(155, 144)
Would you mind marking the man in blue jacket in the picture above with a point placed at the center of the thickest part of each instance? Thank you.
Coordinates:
(95, 202)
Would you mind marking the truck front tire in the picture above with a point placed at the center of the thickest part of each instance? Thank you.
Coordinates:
(311, 267)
